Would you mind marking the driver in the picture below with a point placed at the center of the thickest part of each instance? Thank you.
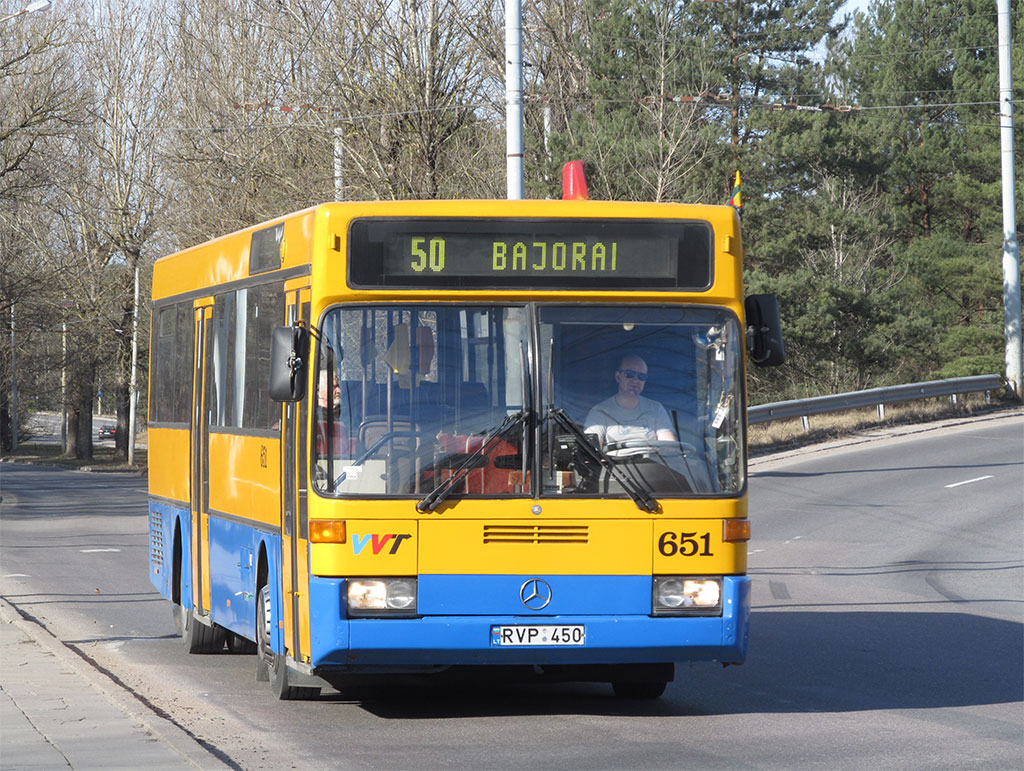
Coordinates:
(628, 415)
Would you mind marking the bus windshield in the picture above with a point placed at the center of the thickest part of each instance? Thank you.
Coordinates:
(656, 390)
(535, 400)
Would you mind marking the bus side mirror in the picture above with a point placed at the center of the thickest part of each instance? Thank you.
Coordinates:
(764, 330)
(289, 364)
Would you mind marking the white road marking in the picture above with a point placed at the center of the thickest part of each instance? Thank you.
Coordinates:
(90, 551)
(969, 481)
(16, 575)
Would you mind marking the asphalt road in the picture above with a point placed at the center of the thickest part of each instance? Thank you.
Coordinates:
(44, 428)
(887, 632)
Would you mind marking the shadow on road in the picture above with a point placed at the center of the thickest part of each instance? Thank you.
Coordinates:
(799, 662)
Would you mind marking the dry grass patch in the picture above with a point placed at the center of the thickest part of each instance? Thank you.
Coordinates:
(785, 434)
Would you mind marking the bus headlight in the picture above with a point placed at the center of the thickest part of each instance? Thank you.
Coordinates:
(681, 595)
(382, 597)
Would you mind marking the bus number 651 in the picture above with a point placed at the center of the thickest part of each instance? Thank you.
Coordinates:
(685, 544)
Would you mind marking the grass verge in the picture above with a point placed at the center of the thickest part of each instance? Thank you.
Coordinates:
(104, 458)
(778, 435)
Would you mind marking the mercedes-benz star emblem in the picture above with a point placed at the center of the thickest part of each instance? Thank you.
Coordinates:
(535, 594)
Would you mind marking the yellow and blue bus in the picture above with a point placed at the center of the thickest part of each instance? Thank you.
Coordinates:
(404, 436)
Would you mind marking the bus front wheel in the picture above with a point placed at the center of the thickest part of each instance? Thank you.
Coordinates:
(273, 666)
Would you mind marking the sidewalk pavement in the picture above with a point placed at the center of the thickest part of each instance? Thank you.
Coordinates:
(57, 712)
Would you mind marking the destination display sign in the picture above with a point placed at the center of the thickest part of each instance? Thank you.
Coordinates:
(463, 253)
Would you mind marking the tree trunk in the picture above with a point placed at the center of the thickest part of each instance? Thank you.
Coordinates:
(80, 431)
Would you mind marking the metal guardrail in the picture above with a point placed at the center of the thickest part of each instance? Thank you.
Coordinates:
(873, 397)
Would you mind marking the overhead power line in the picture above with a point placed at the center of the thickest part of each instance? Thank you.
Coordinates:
(705, 99)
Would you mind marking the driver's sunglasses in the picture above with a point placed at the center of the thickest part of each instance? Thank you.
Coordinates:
(632, 374)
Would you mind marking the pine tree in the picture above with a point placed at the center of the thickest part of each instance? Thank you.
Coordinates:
(926, 74)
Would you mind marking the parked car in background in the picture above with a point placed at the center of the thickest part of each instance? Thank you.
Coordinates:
(107, 432)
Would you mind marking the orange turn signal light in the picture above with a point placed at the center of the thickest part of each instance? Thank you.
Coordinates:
(735, 530)
(328, 531)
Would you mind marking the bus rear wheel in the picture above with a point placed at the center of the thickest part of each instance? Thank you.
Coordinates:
(273, 666)
(197, 636)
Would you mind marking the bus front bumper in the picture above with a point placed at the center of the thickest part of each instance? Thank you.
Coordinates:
(403, 644)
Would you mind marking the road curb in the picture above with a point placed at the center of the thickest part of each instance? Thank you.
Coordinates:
(162, 729)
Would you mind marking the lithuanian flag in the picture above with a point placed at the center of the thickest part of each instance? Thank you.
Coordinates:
(736, 200)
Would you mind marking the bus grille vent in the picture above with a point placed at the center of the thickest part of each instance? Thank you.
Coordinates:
(156, 539)
(536, 534)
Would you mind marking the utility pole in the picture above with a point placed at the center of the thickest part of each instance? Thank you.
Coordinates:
(1011, 247)
(64, 382)
(133, 395)
(514, 99)
(339, 164)
(14, 386)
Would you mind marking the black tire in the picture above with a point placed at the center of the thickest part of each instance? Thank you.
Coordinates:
(197, 636)
(264, 656)
(273, 666)
(281, 688)
(240, 645)
(635, 690)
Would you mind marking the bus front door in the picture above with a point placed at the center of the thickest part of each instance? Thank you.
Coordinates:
(294, 516)
(200, 635)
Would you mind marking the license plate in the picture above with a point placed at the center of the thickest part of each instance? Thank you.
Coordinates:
(519, 635)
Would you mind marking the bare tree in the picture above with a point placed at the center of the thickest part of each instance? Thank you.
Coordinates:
(102, 209)
(39, 93)
(412, 92)
(129, 121)
(243, 149)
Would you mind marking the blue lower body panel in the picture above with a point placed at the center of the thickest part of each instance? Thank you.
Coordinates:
(617, 637)
(164, 520)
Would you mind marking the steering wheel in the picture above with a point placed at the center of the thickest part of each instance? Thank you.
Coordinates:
(655, 445)
(372, 451)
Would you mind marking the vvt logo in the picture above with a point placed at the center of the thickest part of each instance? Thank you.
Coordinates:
(377, 541)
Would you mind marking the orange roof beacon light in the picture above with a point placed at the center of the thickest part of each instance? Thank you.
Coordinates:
(574, 182)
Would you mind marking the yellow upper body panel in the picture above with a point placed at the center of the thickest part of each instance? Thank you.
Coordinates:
(169, 478)
(226, 259)
(245, 477)
(329, 266)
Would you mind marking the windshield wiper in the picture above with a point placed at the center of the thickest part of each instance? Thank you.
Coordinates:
(437, 496)
(636, 490)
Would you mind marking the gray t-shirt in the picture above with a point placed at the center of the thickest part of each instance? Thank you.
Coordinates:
(614, 423)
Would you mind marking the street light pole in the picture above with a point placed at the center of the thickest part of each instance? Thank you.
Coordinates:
(514, 99)
(39, 5)
(133, 397)
(1011, 247)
